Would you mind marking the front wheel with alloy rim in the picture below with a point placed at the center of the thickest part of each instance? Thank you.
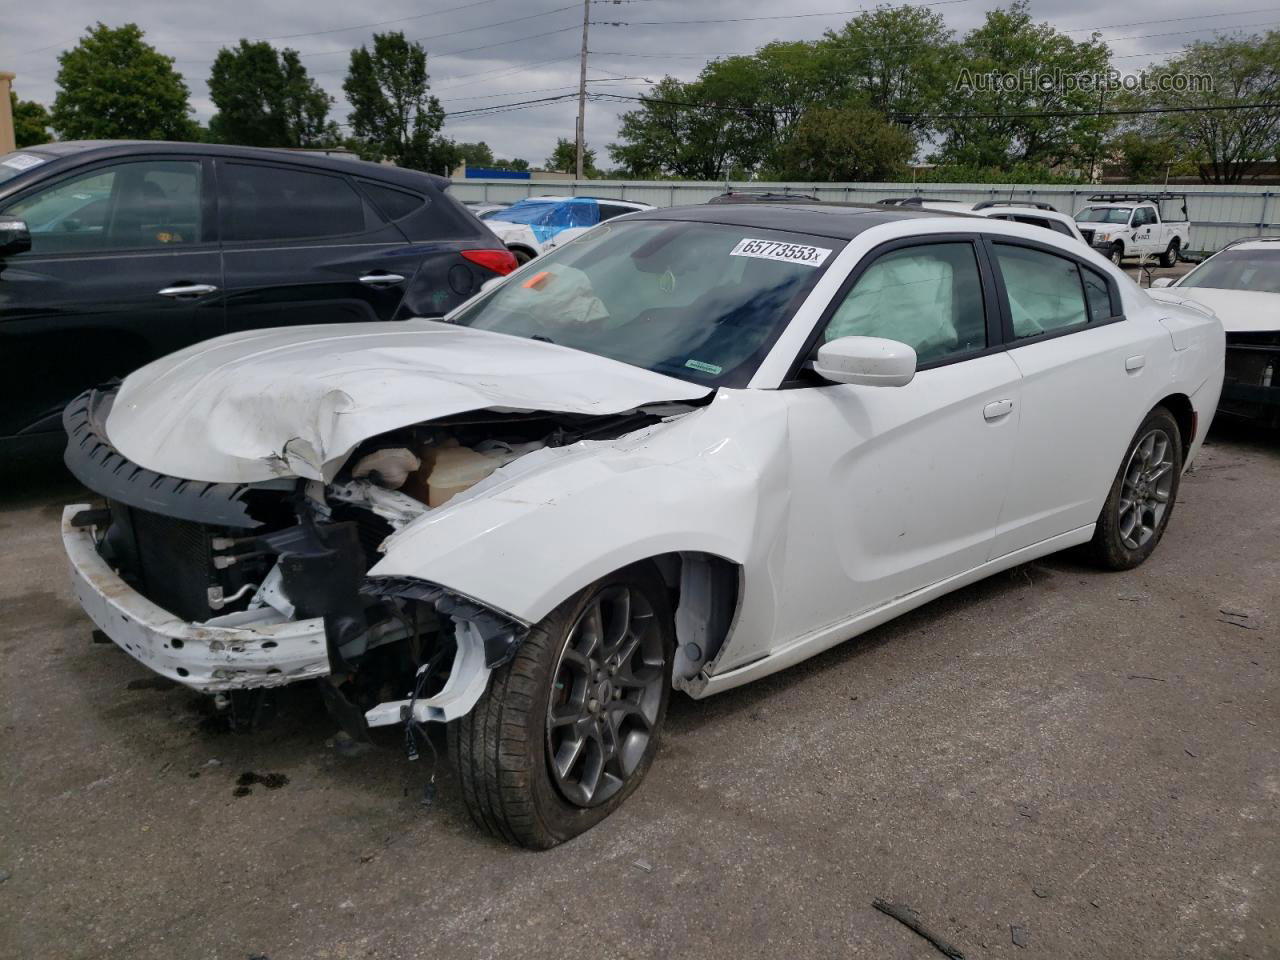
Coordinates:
(1142, 496)
(1117, 253)
(566, 731)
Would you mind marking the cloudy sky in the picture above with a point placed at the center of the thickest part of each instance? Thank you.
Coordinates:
(485, 53)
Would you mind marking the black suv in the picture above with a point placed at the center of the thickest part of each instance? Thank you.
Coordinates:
(114, 253)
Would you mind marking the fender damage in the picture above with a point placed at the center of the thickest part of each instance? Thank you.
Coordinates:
(257, 574)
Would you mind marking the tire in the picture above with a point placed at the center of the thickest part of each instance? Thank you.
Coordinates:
(522, 256)
(1170, 257)
(1138, 508)
(503, 749)
(1117, 254)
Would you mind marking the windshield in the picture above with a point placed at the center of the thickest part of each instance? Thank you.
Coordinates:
(1256, 270)
(700, 301)
(16, 164)
(1104, 215)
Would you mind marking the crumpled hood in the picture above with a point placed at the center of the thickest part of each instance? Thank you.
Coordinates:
(1241, 311)
(296, 401)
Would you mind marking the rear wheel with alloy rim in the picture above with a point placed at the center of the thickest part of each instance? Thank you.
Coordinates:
(568, 729)
(1142, 495)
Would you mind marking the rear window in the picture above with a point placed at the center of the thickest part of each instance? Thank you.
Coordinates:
(16, 164)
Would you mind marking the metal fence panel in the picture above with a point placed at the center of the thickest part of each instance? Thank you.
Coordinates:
(1219, 214)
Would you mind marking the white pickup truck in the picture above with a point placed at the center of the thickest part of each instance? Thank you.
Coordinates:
(1120, 225)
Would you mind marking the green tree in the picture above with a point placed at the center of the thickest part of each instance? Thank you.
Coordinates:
(265, 98)
(1148, 155)
(30, 121)
(665, 136)
(476, 154)
(844, 143)
(114, 86)
(516, 164)
(393, 114)
(1227, 72)
(1009, 44)
(898, 60)
(564, 158)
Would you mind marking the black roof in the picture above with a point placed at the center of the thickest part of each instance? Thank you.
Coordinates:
(840, 221)
(69, 152)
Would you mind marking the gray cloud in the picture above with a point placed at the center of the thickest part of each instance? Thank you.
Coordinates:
(487, 53)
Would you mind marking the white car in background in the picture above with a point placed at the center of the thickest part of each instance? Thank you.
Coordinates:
(687, 451)
(533, 226)
(1016, 211)
(1241, 284)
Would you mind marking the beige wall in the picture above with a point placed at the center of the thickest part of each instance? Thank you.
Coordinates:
(7, 143)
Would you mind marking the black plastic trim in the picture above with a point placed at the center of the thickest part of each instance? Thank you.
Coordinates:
(102, 468)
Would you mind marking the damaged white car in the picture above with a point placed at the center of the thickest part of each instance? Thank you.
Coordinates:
(686, 450)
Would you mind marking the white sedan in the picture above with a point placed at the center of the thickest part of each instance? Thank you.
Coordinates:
(688, 450)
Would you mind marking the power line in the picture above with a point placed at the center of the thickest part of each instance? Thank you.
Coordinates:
(780, 16)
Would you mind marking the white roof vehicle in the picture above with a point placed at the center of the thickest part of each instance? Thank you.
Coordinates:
(690, 449)
(537, 224)
(1241, 284)
(1018, 211)
(1121, 225)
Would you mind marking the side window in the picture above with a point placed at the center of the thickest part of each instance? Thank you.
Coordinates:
(127, 206)
(1098, 293)
(927, 296)
(610, 210)
(282, 203)
(1045, 292)
(392, 203)
(1059, 227)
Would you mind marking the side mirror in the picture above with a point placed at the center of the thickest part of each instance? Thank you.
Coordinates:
(868, 361)
(14, 236)
(1162, 282)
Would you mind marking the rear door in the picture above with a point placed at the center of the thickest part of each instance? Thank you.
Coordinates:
(123, 268)
(1084, 387)
(302, 245)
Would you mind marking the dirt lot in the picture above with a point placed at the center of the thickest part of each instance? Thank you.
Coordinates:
(1092, 759)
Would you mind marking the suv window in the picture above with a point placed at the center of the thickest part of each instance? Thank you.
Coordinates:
(127, 206)
(392, 203)
(610, 210)
(283, 203)
(928, 297)
(1045, 291)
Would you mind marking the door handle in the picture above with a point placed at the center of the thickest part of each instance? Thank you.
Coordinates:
(1134, 364)
(997, 409)
(381, 279)
(188, 290)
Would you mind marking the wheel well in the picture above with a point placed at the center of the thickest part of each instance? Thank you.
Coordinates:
(1179, 404)
(513, 247)
(705, 592)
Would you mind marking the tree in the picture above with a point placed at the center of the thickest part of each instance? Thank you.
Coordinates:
(113, 86)
(1228, 72)
(845, 143)
(265, 98)
(898, 60)
(30, 121)
(519, 165)
(1032, 58)
(676, 133)
(476, 154)
(564, 158)
(1147, 155)
(393, 114)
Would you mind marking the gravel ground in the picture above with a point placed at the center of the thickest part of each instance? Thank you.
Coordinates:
(1055, 762)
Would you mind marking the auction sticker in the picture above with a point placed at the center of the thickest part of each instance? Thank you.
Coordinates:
(780, 250)
(22, 161)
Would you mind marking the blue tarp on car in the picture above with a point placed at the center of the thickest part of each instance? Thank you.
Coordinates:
(546, 218)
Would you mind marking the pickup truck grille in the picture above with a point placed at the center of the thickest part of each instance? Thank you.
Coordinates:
(1087, 234)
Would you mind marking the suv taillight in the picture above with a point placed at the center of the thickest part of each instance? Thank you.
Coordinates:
(500, 262)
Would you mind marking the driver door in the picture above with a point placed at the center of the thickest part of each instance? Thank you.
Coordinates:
(897, 488)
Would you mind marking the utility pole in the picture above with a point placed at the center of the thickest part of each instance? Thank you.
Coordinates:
(582, 88)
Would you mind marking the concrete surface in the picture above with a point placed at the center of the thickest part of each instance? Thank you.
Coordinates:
(1091, 758)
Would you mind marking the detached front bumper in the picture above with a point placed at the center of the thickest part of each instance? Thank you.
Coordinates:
(1251, 388)
(238, 651)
